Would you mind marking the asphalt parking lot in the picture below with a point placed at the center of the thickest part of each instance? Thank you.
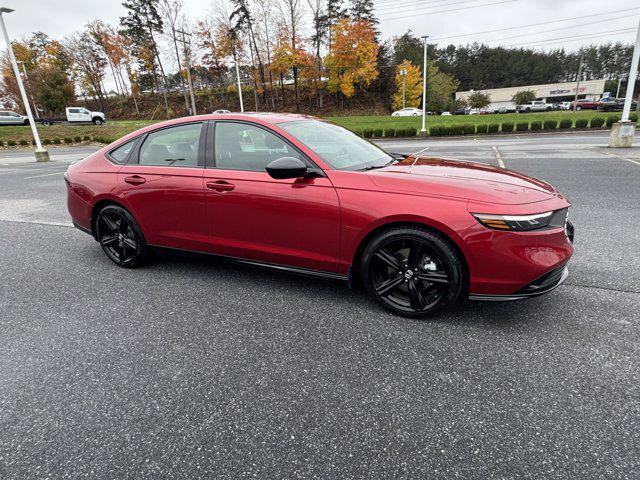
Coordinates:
(195, 368)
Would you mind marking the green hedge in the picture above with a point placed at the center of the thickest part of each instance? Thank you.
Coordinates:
(410, 132)
(86, 137)
(536, 125)
(566, 123)
(634, 117)
(597, 122)
(46, 141)
(550, 124)
(68, 140)
(456, 130)
(77, 139)
(611, 119)
(439, 131)
(469, 129)
(508, 126)
(11, 143)
(493, 128)
(378, 132)
(390, 132)
(522, 126)
(582, 123)
(24, 142)
(482, 128)
(367, 132)
(56, 141)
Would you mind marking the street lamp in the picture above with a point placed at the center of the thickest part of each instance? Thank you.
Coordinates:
(239, 85)
(403, 72)
(622, 133)
(41, 154)
(423, 131)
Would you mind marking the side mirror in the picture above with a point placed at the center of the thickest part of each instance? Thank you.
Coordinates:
(286, 167)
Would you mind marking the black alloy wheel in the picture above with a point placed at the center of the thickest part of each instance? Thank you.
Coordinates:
(412, 271)
(120, 237)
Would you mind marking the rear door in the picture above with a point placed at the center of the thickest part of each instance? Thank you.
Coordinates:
(293, 222)
(162, 184)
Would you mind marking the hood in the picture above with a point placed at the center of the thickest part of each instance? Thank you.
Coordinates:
(100, 114)
(476, 182)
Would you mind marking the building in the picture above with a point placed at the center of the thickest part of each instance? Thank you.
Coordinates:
(551, 93)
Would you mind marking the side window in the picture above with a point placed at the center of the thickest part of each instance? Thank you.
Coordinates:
(73, 110)
(120, 154)
(172, 147)
(240, 146)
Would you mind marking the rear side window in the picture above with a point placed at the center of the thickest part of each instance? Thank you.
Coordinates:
(120, 154)
(172, 147)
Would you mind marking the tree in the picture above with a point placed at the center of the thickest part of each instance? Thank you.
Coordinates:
(89, 63)
(479, 100)
(320, 29)
(523, 96)
(171, 12)
(363, 10)
(292, 12)
(352, 57)
(412, 86)
(441, 88)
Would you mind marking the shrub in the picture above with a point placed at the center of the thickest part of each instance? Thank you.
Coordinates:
(633, 117)
(482, 128)
(377, 132)
(410, 132)
(11, 143)
(77, 139)
(56, 141)
(508, 127)
(522, 126)
(456, 130)
(366, 133)
(468, 129)
(566, 123)
(68, 140)
(493, 128)
(46, 141)
(550, 124)
(439, 130)
(24, 142)
(611, 119)
(86, 137)
(390, 132)
(536, 125)
(582, 123)
(597, 122)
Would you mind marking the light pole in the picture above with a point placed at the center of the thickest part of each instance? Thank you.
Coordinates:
(622, 133)
(26, 79)
(575, 99)
(403, 72)
(41, 154)
(239, 85)
(423, 131)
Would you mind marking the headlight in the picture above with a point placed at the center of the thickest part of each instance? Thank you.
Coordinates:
(523, 223)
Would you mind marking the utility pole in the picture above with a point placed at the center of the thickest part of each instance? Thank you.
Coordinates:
(619, 83)
(423, 131)
(41, 154)
(28, 86)
(623, 132)
(239, 85)
(575, 100)
(186, 44)
(403, 72)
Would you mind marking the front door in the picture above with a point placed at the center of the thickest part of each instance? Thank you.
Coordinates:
(294, 222)
(162, 183)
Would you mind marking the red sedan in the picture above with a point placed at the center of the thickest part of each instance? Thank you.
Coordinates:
(300, 194)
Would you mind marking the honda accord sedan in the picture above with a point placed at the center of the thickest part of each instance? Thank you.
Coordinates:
(300, 194)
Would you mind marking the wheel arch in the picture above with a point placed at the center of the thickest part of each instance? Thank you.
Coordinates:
(443, 231)
(103, 202)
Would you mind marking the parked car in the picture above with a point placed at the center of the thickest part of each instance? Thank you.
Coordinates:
(535, 106)
(585, 105)
(611, 104)
(221, 111)
(76, 115)
(9, 117)
(446, 114)
(407, 112)
(303, 195)
(460, 111)
(565, 105)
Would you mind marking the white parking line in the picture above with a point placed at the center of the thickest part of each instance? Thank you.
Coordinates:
(498, 156)
(36, 222)
(44, 175)
(620, 157)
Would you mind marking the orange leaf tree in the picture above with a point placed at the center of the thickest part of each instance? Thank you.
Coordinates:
(351, 61)
(413, 85)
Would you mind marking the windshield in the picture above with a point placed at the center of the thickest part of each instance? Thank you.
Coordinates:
(337, 146)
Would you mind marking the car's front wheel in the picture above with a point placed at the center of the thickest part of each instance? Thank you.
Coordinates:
(120, 237)
(412, 271)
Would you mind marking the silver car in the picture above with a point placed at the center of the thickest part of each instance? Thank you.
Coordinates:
(8, 117)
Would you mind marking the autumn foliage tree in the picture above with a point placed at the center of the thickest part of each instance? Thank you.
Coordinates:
(412, 86)
(351, 62)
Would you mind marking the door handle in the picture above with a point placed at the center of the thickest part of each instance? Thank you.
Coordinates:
(220, 186)
(135, 180)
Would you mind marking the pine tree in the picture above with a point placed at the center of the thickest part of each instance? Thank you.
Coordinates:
(363, 10)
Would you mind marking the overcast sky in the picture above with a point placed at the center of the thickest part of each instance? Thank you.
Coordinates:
(446, 21)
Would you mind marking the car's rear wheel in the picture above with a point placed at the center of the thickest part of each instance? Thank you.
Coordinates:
(578, 108)
(412, 271)
(97, 121)
(120, 237)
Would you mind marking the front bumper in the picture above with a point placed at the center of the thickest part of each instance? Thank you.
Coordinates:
(544, 284)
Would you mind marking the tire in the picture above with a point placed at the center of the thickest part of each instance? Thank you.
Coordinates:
(412, 272)
(47, 123)
(121, 238)
(578, 108)
(97, 121)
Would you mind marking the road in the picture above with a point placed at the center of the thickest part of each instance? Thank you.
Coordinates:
(195, 368)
